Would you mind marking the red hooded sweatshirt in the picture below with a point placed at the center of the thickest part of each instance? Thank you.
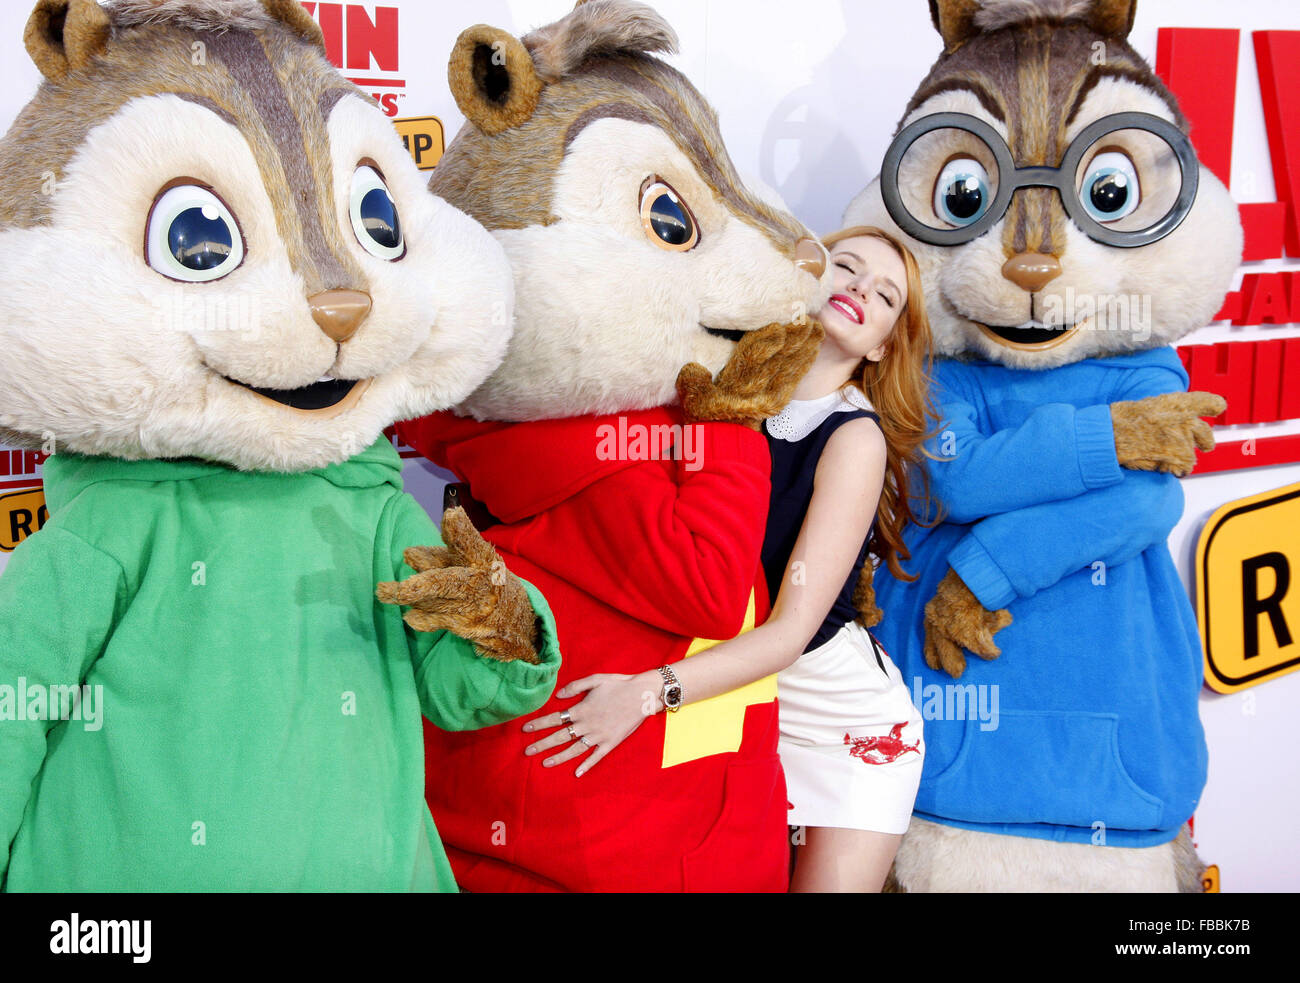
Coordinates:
(643, 551)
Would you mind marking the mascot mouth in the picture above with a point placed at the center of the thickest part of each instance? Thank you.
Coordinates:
(1033, 335)
(326, 394)
(732, 335)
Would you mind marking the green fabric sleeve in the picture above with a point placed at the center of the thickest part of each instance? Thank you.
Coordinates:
(59, 600)
(458, 688)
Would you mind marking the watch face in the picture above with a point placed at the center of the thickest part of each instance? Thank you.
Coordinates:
(672, 696)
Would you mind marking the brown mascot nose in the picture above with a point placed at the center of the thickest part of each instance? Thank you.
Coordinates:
(340, 312)
(810, 256)
(1031, 271)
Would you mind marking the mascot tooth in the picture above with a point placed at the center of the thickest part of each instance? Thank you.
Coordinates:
(637, 251)
(1067, 236)
(223, 277)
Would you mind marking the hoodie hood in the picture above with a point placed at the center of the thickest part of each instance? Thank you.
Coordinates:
(68, 475)
(518, 470)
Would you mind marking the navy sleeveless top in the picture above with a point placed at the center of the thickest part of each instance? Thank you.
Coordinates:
(794, 466)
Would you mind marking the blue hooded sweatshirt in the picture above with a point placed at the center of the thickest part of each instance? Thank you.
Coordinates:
(1092, 734)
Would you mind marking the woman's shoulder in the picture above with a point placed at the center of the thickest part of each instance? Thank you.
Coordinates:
(855, 451)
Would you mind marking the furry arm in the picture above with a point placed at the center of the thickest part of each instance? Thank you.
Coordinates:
(955, 620)
(483, 643)
(757, 381)
(60, 598)
(864, 597)
(1162, 433)
(846, 493)
(1143, 419)
(1017, 554)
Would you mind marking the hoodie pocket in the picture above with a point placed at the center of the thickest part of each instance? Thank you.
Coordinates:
(1042, 766)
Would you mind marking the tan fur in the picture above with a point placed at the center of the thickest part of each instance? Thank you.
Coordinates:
(468, 60)
(759, 379)
(215, 15)
(466, 589)
(956, 620)
(505, 178)
(949, 859)
(63, 35)
(1162, 433)
(598, 28)
(135, 364)
(954, 20)
(51, 128)
(864, 597)
(561, 190)
(994, 15)
(1189, 868)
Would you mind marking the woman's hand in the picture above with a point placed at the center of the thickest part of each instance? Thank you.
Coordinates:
(614, 706)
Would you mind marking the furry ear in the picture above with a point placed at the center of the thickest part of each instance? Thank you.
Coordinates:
(493, 79)
(595, 28)
(64, 35)
(1112, 18)
(294, 15)
(955, 21)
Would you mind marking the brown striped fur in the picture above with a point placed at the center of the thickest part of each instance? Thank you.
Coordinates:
(1034, 77)
(149, 56)
(505, 180)
(112, 355)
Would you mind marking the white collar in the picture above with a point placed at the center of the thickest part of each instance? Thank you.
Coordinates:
(802, 416)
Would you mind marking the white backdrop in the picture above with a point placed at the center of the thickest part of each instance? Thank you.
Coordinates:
(809, 94)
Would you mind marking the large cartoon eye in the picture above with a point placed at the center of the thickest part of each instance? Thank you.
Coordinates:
(961, 194)
(666, 218)
(1110, 191)
(374, 216)
(192, 236)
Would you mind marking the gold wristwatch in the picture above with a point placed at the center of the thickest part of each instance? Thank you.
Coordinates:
(672, 693)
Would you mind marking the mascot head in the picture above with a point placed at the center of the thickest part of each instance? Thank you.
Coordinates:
(1043, 177)
(215, 246)
(635, 245)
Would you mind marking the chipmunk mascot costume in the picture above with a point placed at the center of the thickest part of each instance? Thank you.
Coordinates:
(1066, 235)
(627, 482)
(222, 277)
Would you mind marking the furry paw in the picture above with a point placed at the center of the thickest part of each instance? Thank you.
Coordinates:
(757, 381)
(864, 597)
(956, 620)
(465, 588)
(1162, 433)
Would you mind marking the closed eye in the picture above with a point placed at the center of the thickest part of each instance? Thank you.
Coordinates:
(887, 299)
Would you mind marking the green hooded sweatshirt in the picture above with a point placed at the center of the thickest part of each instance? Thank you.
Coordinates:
(248, 717)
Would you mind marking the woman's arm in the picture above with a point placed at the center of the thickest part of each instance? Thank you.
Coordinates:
(846, 491)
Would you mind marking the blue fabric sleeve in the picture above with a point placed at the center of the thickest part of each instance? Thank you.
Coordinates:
(1016, 554)
(1057, 453)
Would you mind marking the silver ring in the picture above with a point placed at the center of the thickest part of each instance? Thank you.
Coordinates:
(573, 734)
(586, 742)
(565, 718)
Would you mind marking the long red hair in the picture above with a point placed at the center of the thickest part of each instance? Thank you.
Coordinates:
(898, 387)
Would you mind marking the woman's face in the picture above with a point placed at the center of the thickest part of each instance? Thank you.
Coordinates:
(868, 293)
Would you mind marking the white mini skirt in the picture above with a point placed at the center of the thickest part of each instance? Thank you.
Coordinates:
(851, 742)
